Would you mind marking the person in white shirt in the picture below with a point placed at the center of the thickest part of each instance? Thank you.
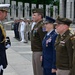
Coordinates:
(22, 28)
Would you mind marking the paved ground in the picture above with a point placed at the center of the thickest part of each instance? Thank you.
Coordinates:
(19, 57)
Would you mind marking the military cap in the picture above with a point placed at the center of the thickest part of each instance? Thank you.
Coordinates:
(49, 20)
(37, 10)
(22, 18)
(4, 7)
(63, 21)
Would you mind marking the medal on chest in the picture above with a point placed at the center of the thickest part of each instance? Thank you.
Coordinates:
(35, 31)
(47, 41)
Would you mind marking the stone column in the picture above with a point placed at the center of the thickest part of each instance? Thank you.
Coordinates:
(70, 9)
(55, 12)
(27, 10)
(13, 9)
(1, 1)
(7, 1)
(47, 10)
(40, 6)
(61, 10)
(32, 7)
(20, 9)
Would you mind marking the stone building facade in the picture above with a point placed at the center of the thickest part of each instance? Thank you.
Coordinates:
(67, 9)
(20, 9)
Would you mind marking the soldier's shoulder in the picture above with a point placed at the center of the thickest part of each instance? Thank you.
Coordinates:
(72, 36)
(41, 23)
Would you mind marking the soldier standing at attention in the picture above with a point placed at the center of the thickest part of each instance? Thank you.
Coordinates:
(37, 35)
(63, 45)
(73, 66)
(49, 53)
(3, 58)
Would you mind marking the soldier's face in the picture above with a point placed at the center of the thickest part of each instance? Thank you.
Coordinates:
(60, 28)
(3, 15)
(36, 17)
(48, 26)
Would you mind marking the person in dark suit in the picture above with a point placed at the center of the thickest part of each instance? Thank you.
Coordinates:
(64, 47)
(3, 58)
(49, 52)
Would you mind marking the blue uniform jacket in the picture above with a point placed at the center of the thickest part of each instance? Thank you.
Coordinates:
(49, 52)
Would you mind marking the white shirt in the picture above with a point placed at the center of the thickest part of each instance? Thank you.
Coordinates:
(33, 24)
(22, 26)
(49, 32)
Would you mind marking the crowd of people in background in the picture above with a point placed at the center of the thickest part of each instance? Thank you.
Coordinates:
(22, 29)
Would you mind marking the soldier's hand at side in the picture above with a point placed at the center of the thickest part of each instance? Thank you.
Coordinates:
(54, 70)
(40, 58)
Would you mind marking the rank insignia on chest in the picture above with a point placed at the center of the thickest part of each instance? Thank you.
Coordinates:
(35, 31)
(62, 43)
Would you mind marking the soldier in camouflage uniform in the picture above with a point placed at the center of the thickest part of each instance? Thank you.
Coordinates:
(64, 47)
(37, 35)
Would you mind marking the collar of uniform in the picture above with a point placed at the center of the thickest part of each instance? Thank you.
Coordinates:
(49, 32)
(66, 33)
(41, 21)
(56, 31)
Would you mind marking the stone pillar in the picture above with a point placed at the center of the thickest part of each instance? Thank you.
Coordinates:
(1, 1)
(33, 6)
(61, 10)
(40, 6)
(13, 9)
(7, 1)
(70, 9)
(47, 10)
(27, 10)
(55, 12)
(20, 9)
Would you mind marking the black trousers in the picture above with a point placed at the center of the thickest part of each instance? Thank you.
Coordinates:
(1, 73)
